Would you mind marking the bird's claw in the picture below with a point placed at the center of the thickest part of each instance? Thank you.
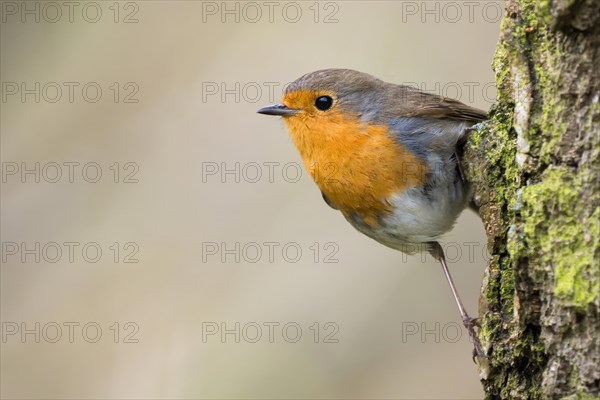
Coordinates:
(470, 324)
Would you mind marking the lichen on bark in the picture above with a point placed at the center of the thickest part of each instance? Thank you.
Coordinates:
(535, 166)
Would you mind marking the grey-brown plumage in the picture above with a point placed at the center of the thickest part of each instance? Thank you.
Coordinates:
(366, 94)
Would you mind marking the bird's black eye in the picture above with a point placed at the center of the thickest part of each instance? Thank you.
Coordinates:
(324, 103)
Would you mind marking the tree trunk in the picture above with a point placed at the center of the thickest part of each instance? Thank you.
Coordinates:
(535, 165)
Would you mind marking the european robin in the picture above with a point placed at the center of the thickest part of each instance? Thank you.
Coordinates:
(385, 156)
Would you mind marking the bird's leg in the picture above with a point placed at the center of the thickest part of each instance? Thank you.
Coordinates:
(438, 253)
(458, 154)
(460, 168)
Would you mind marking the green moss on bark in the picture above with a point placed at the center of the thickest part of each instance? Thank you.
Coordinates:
(569, 240)
(535, 165)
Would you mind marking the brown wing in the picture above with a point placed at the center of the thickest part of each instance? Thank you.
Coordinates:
(425, 122)
(444, 107)
(427, 105)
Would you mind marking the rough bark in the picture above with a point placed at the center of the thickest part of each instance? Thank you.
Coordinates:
(535, 165)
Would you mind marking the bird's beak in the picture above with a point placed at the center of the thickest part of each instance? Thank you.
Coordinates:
(278, 109)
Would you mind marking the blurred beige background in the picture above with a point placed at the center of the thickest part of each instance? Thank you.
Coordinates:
(392, 316)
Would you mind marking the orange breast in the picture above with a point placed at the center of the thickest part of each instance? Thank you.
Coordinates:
(358, 166)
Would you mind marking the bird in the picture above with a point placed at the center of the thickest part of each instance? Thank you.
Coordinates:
(386, 156)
